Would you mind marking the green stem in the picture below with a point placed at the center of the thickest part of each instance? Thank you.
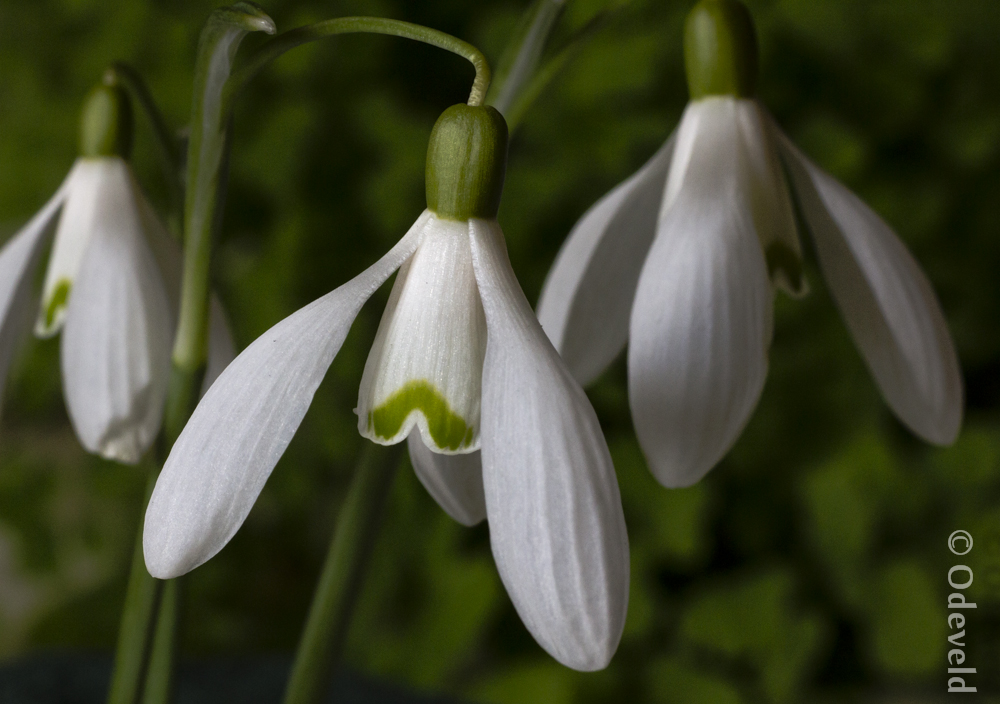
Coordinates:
(141, 600)
(520, 57)
(527, 94)
(220, 38)
(207, 149)
(159, 671)
(167, 145)
(343, 572)
(371, 25)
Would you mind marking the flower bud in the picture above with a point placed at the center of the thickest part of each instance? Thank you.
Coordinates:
(106, 122)
(720, 50)
(466, 163)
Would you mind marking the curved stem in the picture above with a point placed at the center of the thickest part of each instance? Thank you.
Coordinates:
(520, 57)
(343, 572)
(168, 147)
(352, 25)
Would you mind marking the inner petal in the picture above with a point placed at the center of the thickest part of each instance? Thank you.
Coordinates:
(425, 367)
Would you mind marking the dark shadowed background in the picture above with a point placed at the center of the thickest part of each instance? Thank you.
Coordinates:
(810, 565)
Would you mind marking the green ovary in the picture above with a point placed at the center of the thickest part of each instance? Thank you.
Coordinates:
(447, 428)
(58, 301)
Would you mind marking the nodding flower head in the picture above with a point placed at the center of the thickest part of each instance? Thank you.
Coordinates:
(461, 369)
(682, 259)
(111, 287)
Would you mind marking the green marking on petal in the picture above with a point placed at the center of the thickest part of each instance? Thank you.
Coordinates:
(447, 428)
(58, 301)
(784, 268)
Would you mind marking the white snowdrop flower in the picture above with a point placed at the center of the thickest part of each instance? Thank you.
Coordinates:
(681, 261)
(496, 425)
(104, 289)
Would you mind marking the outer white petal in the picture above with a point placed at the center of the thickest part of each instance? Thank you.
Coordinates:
(119, 329)
(242, 426)
(887, 302)
(701, 322)
(588, 293)
(552, 500)
(86, 182)
(17, 268)
(455, 481)
(425, 367)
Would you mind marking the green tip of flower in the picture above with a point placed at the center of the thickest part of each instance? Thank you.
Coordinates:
(248, 16)
(106, 121)
(720, 50)
(448, 429)
(466, 163)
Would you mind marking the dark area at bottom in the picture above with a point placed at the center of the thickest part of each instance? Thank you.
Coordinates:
(76, 679)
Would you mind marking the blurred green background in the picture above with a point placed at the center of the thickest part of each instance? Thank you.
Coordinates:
(810, 565)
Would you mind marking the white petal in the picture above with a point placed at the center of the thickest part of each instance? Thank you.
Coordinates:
(455, 481)
(221, 350)
(887, 302)
(242, 426)
(588, 293)
(425, 367)
(118, 331)
(87, 180)
(17, 268)
(701, 322)
(555, 514)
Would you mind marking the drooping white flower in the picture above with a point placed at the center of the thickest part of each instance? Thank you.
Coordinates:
(681, 260)
(496, 425)
(104, 289)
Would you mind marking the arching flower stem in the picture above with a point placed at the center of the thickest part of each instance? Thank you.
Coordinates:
(168, 145)
(274, 48)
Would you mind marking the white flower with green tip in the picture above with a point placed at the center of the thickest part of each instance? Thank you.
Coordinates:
(104, 289)
(680, 261)
(459, 364)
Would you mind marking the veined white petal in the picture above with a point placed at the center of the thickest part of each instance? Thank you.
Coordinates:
(85, 184)
(119, 328)
(887, 302)
(587, 296)
(17, 267)
(455, 481)
(425, 367)
(242, 426)
(702, 318)
(555, 514)
(221, 350)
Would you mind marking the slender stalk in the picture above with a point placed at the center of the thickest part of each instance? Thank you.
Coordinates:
(520, 57)
(220, 38)
(159, 671)
(167, 144)
(530, 90)
(370, 25)
(141, 600)
(342, 576)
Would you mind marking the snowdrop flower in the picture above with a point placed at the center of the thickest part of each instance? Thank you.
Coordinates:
(682, 258)
(460, 367)
(104, 289)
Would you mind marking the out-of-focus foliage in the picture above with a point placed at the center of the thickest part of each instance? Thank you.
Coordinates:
(810, 565)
